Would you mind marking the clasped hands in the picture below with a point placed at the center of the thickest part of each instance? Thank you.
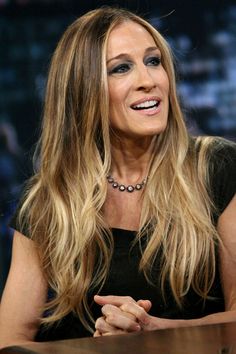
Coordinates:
(122, 314)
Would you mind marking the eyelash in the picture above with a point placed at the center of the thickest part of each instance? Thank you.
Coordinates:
(120, 69)
(124, 67)
(156, 60)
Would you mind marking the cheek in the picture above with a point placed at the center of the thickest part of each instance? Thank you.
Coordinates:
(114, 107)
(166, 82)
(118, 94)
(114, 103)
(114, 96)
(118, 91)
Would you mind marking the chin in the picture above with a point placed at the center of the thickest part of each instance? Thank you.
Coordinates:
(154, 130)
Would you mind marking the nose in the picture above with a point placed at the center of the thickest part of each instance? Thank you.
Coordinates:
(144, 79)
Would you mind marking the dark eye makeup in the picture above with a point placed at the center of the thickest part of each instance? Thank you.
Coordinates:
(122, 68)
(154, 60)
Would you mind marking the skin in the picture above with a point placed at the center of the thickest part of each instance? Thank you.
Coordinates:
(132, 151)
(26, 289)
(24, 294)
(135, 75)
(117, 310)
(129, 43)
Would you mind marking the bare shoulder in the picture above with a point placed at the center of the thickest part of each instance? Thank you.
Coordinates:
(24, 250)
(24, 294)
(227, 231)
(227, 224)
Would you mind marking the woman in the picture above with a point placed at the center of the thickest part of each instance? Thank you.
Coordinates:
(124, 202)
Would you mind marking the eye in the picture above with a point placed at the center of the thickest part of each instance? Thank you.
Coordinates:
(153, 61)
(120, 69)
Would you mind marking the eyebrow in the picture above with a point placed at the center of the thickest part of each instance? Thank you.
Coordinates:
(122, 55)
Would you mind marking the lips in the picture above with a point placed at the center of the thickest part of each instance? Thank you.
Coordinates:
(150, 103)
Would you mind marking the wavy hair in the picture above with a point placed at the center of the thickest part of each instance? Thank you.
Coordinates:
(62, 207)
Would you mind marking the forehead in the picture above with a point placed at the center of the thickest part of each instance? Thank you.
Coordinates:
(128, 37)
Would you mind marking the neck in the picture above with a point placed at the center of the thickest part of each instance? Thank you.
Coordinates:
(131, 159)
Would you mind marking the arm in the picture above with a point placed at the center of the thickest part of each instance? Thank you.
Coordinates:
(24, 294)
(227, 231)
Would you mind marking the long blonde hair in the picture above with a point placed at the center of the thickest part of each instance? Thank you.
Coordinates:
(63, 201)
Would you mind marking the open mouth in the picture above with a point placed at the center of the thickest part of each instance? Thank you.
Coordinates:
(152, 104)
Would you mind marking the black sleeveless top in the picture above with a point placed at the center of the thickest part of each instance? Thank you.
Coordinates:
(125, 279)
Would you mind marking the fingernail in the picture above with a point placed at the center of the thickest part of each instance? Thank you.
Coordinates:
(137, 328)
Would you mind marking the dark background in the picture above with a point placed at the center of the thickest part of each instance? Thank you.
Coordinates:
(202, 35)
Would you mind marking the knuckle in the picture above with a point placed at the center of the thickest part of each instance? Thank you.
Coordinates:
(126, 308)
(143, 317)
(142, 312)
(110, 318)
(123, 307)
(129, 299)
(105, 309)
(99, 323)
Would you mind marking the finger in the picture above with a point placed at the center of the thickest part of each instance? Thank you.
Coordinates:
(109, 309)
(102, 326)
(113, 300)
(137, 311)
(104, 329)
(145, 304)
(97, 334)
(117, 318)
(129, 315)
(118, 331)
(123, 322)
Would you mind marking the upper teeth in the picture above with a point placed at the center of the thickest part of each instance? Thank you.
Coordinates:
(146, 104)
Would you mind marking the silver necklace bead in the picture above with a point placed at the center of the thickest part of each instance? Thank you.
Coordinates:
(130, 188)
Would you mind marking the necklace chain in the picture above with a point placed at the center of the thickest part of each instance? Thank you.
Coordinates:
(130, 188)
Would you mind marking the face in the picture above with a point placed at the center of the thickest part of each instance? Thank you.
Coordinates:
(138, 84)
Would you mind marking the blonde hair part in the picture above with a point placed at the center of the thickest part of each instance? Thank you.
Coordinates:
(63, 203)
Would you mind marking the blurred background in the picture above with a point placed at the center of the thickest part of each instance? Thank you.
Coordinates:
(202, 35)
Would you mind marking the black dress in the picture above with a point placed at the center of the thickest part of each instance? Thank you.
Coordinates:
(125, 279)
